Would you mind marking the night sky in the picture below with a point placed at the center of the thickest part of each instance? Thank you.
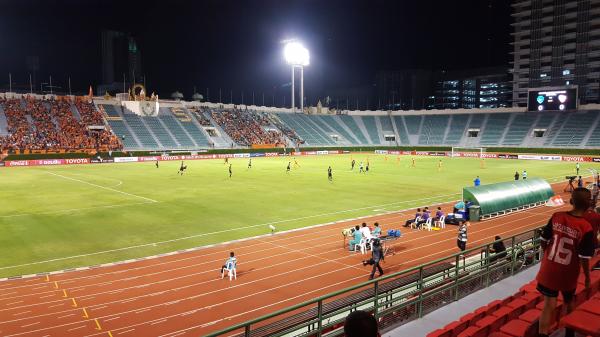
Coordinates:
(236, 45)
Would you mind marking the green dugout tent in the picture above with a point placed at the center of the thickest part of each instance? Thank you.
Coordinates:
(499, 198)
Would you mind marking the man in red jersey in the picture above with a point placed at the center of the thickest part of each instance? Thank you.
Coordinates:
(567, 242)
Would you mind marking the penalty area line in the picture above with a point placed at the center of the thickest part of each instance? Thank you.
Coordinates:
(100, 186)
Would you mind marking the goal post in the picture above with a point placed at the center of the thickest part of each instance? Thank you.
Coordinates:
(457, 149)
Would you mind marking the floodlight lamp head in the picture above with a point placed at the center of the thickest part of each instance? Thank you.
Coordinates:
(295, 54)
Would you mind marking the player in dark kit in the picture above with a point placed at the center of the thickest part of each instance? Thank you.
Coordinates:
(367, 168)
(289, 167)
(353, 162)
(329, 174)
(249, 163)
(156, 164)
(226, 161)
(230, 171)
(182, 168)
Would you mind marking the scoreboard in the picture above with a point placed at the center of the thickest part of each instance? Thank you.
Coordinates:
(556, 99)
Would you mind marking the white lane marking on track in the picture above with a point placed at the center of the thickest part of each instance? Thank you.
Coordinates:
(171, 334)
(100, 186)
(26, 325)
(126, 331)
(204, 294)
(403, 242)
(79, 327)
(214, 233)
(69, 315)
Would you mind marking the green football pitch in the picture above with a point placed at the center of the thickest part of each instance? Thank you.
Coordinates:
(54, 218)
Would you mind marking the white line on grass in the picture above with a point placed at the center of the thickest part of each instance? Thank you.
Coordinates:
(217, 232)
(100, 186)
(68, 210)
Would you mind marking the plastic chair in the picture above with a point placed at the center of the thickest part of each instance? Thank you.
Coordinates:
(427, 224)
(362, 245)
(415, 223)
(441, 223)
(231, 270)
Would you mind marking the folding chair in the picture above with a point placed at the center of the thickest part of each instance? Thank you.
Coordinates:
(231, 271)
(441, 223)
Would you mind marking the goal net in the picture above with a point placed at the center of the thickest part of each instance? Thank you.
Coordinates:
(477, 151)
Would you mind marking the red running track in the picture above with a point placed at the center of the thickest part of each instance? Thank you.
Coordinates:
(183, 294)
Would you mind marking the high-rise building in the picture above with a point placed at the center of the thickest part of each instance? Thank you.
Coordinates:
(485, 88)
(121, 57)
(556, 43)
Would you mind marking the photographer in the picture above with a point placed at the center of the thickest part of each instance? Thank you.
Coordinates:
(377, 256)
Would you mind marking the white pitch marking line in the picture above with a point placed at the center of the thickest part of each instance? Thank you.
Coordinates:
(218, 232)
(100, 186)
(75, 209)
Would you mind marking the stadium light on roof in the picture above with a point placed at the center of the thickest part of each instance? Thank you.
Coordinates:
(298, 57)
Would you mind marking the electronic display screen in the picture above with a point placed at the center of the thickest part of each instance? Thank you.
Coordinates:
(552, 100)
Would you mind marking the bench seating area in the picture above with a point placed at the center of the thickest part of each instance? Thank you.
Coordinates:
(518, 315)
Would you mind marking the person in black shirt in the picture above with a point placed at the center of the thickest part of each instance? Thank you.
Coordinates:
(329, 174)
(230, 171)
(376, 257)
(287, 170)
(516, 175)
(156, 163)
(498, 249)
(353, 162)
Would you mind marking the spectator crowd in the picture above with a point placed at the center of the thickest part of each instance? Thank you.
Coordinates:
(35, 124)
(247, 127)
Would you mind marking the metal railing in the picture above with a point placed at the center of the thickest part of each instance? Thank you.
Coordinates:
(400, 297)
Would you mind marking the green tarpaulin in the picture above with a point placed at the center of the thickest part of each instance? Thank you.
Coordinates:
(499, 197)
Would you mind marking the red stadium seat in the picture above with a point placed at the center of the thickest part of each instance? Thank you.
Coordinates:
(532, 299)
(531, 315)
(499, 334)
(519, 306)
(529, 287)
(519, 328)
(440, 333)
(583, 322)
(474, 331)
(492, 323)
(507, 312)
(591, 306)
(492, 306)
(456, 327)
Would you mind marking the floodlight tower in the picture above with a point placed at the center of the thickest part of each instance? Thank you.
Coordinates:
(298, 57)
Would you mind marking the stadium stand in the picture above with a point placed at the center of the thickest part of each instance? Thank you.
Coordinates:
(433, 130)
(369, 122)
(307, 130)
(518, 315)
(402, 130)
(574, 129)
(457, 129)
(495, 127)
(44, 124)
(52, 125)
(519, 129)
